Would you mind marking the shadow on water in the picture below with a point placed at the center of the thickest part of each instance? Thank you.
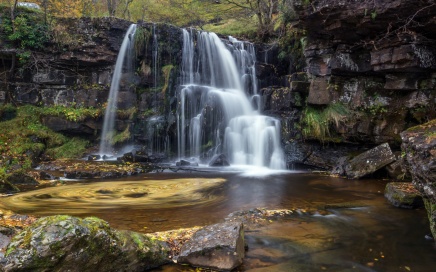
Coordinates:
(360, 231)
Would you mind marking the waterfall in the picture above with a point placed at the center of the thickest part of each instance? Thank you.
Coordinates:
(126, 51)
(215, 114)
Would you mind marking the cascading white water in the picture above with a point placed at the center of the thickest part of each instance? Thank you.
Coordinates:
(109, 117)
(213, 104)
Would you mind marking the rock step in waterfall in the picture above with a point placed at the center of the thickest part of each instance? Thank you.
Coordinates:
(215, 110)
(219, 108)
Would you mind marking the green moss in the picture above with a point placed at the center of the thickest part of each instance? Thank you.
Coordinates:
(74, 114)
(7, 112)
(72, 148)
(127, 114)
(423, 127)
(122, 137)
(24, 138)
(166, 70)
(431, 212)
(142, 36)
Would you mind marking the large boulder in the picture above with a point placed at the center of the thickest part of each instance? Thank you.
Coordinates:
(219, 247)
(369, 161)
(403, 195)
(65, 243)
(419, 149)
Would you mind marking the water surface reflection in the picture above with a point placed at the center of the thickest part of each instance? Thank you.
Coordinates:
(374, 237)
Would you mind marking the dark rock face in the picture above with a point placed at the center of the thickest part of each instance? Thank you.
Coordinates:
(419, 147)
(219, 247)
(65, 243)
(59, 124)
(387, 78)
(219, 160)
(403, 195)
(369, 161)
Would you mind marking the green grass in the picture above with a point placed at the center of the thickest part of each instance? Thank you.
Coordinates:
(243, 28)
(71, 113)
(318, 122)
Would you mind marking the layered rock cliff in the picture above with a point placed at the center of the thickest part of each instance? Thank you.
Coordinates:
(372, 72)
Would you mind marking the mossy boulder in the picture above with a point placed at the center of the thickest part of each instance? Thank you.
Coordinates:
(66, 243)
(419, 157)
(403, 195)
(21, 178)
(7, 187)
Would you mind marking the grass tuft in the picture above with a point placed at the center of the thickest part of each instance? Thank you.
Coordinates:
(317, 123)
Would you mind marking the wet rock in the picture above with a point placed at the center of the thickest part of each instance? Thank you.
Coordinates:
(81, 174)
(369, 161)
(339, 168)
(396, 170)
(183, 163)
(62, 125)
(403, 195)
(21, 178)
(136, 156)
(219, 160)
(419, 148)
(94, 157)
(219, 246)
(46, 176)
(65, 243)
(7, 187)
(279, 99)
(319, 92)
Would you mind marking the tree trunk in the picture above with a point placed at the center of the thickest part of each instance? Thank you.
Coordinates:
(111, 7)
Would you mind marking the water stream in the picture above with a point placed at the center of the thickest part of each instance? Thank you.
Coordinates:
(374, 236)
(125, 53)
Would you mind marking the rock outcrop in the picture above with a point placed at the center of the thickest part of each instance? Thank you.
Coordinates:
(375, 59)
(419, 149)
(65, 243)
(219, 247)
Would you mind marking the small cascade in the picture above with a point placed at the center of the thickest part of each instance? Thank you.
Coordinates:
(126, 52)
(215, 115)
(155, 124)
(245, 58)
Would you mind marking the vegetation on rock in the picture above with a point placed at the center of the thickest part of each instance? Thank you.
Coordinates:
(317, 123)
(24, 139)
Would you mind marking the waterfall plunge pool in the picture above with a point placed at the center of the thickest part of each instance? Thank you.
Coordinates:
(360, 232)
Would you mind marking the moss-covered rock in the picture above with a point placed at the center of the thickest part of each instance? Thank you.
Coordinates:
(403, 195)
(65, 243)
(6, 187)
(419, 152)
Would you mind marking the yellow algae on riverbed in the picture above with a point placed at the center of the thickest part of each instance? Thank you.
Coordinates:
(90, 197)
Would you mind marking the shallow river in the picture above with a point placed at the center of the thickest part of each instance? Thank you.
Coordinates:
(373, 237)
